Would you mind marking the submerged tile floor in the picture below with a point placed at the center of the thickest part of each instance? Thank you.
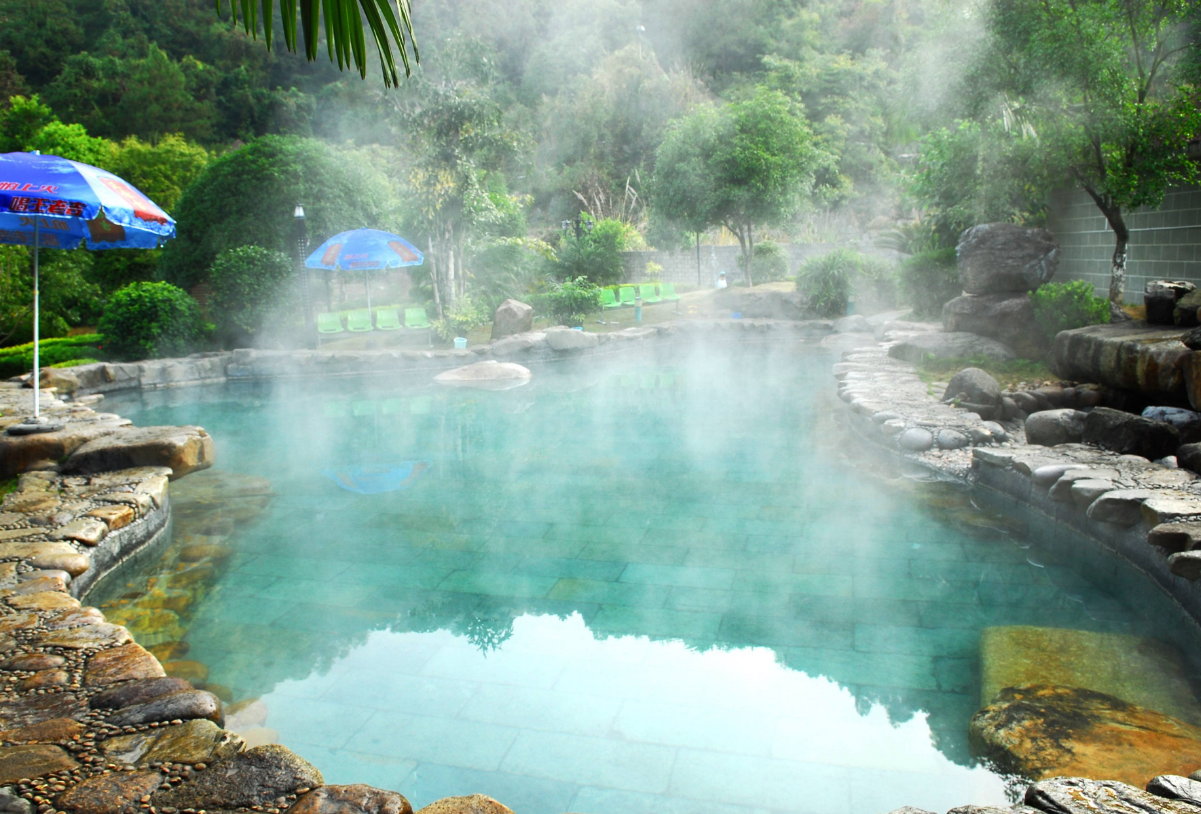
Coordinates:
(624, 589)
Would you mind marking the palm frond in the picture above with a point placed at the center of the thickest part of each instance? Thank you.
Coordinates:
(389, 21)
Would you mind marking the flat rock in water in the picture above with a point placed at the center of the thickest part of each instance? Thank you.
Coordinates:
(181, 449)
(488, 375)
(355, 799)
(138, 692)
(111, 793)
(124, 663)
(196, 741)
(1047, 731)
(1077, 795)
(17, 762)
(252, 778)
(472, 804)
(184, 705)
(1137, 670)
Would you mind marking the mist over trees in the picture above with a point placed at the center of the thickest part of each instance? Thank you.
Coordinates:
(664, 122)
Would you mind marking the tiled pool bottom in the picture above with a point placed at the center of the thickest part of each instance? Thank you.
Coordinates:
(640, 588)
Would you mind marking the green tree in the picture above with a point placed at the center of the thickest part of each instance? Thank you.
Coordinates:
(68, 298)
(21, 121)
(682, 188)
(162, 170)
(595, 255)
(247, 197)
(147, 320)
(250, 285)
(749, 164)
(1104, 86)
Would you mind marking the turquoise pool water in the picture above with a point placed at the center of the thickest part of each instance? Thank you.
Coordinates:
(627, 587)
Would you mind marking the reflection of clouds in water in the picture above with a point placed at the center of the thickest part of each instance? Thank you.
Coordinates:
(555, 702)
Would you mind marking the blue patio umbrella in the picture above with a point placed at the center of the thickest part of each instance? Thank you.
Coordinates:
(50, 201)
(366, 250)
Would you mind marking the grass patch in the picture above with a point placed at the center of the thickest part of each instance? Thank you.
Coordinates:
(7, 485)
(75, 363)
(1006, 373)
(1136, 311)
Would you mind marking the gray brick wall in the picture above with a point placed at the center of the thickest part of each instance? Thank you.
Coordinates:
(1165, 243)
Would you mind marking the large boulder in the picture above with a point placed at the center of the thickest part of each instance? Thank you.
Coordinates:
(1078, 795)
(566, 339)
(1129, 434)
(942, 345)
(1185, 312)
(1135, 356)
(1050, 428)
(1007, 318)
(489, 375)
(1042, 731)
(512, 317)
(19, 452)
(356, 799)
(997, 258)
(1160, 298)
(182, 449)
(974, 389)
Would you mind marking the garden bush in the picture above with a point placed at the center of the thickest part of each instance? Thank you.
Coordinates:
(147, 320)
(460, 318)
(928, 281)
(875, 285)
(770, 264)
(827, 281)
(596, 255)
(249, 285)
(569, 303)
(1064, 306)
(18, 359)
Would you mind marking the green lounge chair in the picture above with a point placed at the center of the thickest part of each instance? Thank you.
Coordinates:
(649, 297)
(358, 321)
(627, 294)
(416, 318)
(667, 292)
(608, 299)
(329, 324)
(388, 319)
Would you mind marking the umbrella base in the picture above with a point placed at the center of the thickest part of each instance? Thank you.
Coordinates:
(32, 426)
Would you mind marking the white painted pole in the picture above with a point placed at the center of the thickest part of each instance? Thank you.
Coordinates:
(37, 377)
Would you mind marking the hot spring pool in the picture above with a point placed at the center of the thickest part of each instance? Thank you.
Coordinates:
(627, 587)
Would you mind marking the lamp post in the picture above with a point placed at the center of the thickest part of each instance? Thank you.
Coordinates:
(302, 244)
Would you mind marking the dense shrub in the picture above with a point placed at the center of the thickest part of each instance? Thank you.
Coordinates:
(1064, 306)
(460, 318)
(929, 280)
(770, 264)
(145, 320)
(596, 255)
(18, 359)
(569, 303)
(249, 285)
(875, 285)
(827, 281)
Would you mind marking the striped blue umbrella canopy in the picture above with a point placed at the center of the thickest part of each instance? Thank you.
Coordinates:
(365, 250)
(57, 203)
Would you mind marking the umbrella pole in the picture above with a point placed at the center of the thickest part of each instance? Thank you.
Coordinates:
(367, 285)
(37, 379)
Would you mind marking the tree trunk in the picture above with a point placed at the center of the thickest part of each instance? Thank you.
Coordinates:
(434, 277)
(1121, 234)
(698, 259)
(750, 257)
